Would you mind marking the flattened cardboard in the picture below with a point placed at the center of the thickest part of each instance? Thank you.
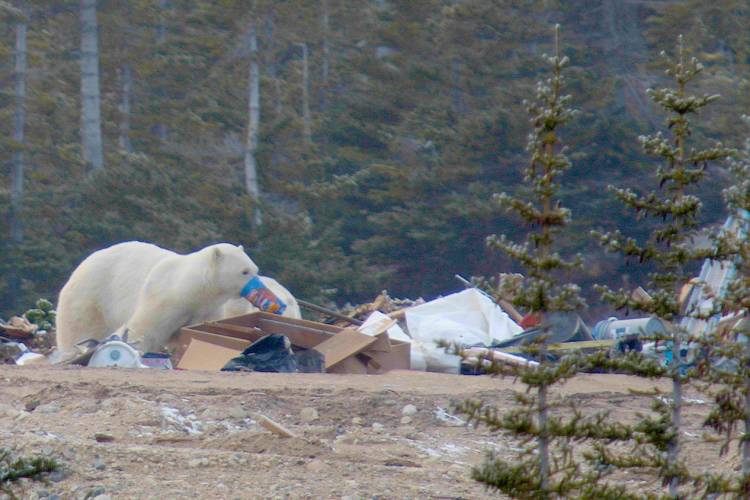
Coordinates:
(181, 343)
(202, 355)
(399, 358)
(382, 343)
(344, 344)
(352, 365)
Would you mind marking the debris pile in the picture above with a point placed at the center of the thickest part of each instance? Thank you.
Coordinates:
(28, 338)
(266, 342)
(384, 303)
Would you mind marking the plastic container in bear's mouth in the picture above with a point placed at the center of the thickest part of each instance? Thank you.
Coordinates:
(262, 297)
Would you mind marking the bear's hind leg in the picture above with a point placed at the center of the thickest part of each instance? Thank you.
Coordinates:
(77, 321)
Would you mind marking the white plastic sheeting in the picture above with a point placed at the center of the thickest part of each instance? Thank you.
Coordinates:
(467, 318)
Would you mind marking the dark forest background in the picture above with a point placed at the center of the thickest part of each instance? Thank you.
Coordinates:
(384, 128)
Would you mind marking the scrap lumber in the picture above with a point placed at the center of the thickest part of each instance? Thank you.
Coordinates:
(641, 295)
(328, 312)
(344, 344)
(274, 427)
(568, 346)
(18, 328)
(247, 330)
(488, 354)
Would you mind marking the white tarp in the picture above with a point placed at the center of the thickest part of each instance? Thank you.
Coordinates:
(468, 318)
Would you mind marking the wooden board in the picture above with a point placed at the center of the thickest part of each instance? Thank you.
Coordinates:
(344, 344)
(569, 346)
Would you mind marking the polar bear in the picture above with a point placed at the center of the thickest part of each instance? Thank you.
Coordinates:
(148, 291)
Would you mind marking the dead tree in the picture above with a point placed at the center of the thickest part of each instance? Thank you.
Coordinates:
(91, 129)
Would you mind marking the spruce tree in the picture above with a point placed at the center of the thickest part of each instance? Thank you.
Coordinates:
(547, 466)
(731, 379)
(669, 249)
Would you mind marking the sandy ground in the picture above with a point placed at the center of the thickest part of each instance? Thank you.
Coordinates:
(180, 434)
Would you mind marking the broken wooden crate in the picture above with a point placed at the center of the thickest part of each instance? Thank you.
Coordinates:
(208, 346)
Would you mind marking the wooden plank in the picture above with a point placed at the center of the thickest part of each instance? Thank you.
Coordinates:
(261, 316)
(512, 311)
(249, 334)
(344, 344)
(246, 330)
(272, 426)
(328, 312)
(299, 335)
(569, 346)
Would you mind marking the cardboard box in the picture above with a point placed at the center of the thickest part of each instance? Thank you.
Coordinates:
(201, 355)
(349, 354)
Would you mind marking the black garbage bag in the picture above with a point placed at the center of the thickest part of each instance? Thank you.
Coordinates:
(272, 353)
(309, 361)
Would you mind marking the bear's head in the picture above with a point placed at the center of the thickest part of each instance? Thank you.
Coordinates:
(232, 267)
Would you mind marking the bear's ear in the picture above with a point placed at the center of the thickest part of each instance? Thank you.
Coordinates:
(241, 247)
(217, 254)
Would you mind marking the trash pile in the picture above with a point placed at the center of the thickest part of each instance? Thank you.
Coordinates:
(26, 339)
(383, 335)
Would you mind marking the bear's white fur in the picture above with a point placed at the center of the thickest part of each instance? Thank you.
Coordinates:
(149, 291)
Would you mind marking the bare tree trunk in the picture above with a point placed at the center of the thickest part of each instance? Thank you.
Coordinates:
(543, 425)
(19, 136)
(253, 124)
(272, 69)
(326, 55)
(161, 39)
(91, 129)
(161, 34)
(456, 95)
(673, 450)
(746, 440)
(306, 121)
(126, 79)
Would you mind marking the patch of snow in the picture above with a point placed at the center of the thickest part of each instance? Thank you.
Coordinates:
(186, 423)
(444, 416)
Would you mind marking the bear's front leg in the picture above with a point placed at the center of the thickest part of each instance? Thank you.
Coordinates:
(152, 325)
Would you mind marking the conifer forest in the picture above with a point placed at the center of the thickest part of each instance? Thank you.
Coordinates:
(580, 157)
(350, 146)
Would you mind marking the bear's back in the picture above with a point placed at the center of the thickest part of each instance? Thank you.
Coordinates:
(118, 273)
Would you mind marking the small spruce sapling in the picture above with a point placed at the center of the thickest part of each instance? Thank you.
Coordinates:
(548, 465)
(14, 468)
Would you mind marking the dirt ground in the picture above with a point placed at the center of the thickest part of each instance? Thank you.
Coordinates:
(179, 434)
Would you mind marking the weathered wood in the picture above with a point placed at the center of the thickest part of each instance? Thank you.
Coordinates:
(569, 346)
(328, 312)
(344, 344)
(272, 426)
